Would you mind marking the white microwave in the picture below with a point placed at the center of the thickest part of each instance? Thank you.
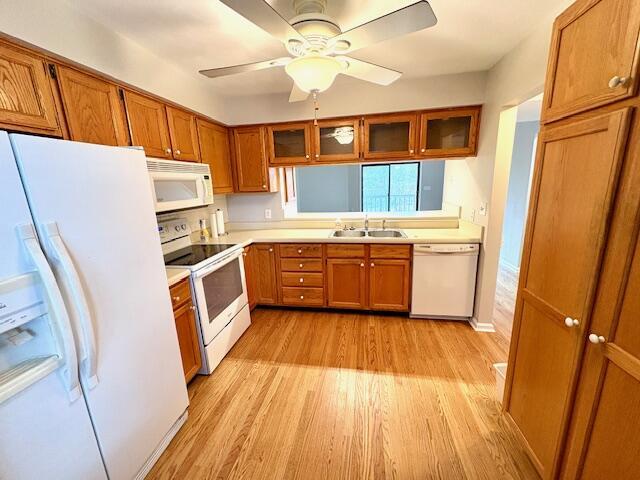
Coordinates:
(179, 185)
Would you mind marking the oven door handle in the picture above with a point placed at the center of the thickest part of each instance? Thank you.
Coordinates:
(219, 265)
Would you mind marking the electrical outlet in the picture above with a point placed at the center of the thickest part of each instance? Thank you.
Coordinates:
(483, 209)
(267, 213)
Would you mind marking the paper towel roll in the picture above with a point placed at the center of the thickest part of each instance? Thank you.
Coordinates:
(213, 225)
(220, 222)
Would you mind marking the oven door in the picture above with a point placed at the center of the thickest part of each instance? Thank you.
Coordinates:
(221, 292)
(175, 191)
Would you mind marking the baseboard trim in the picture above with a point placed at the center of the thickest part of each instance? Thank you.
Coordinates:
(151, 461)
(481, 326)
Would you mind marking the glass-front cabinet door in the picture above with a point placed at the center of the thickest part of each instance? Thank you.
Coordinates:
(337, 140)
(449, 133)
(389, 136)
(289, 143)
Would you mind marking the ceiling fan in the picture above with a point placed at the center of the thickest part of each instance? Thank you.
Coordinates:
(319, 48)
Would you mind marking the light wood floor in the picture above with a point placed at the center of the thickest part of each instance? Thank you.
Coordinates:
(504, 307)
(318, 395)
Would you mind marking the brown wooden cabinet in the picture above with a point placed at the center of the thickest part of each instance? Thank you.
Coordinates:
(250, 160)
(183, 135)
(250, 275)
(148, 125)
(184, 314)
(337, 140)
(449, 132)
(264, 264)
(593, 57)
(289, 144)
(214, 151)
(389, 277)
(389, 136)
(93, 108)
(26, 99)
(347, 283)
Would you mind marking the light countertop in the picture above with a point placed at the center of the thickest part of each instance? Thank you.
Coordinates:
(469, 234)
(174, 275)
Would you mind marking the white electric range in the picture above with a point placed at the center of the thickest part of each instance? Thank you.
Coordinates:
(219, 287)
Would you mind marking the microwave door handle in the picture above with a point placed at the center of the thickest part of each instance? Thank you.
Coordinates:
(203, 185)
(89, 352)
(217, 266)
(63, 332)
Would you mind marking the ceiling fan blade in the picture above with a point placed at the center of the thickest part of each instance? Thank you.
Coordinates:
(247, 67)
(297, 94)
(395, 24)
(264, 16)
(369, 72)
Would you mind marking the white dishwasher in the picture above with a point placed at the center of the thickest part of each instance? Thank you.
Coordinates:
(444, 280)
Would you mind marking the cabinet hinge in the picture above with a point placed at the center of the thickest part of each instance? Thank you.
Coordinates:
(52, 71)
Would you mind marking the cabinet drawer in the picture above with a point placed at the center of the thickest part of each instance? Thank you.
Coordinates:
(180, 293)
(303, 296)
(291, 279)
(310, 250)
(300, 265)
(344, 250)
(390, 251)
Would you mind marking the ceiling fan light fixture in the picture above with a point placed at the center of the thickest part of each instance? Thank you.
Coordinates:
(314, 72)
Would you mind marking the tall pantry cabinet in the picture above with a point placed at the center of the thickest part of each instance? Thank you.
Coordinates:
(573, 382)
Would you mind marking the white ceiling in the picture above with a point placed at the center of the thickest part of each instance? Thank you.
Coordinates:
(471, 35)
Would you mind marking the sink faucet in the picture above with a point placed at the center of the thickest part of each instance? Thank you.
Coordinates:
(366, 222)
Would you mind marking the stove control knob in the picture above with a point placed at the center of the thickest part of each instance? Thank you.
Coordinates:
(183, 226)
(177, 228)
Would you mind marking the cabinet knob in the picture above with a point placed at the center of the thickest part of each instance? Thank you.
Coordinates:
(373, 264)
(411, 150)
(362, 265)
(423, 150)
(306, 156)
(317, 155)
(192, 307)
(571, 322)
(264, 187)
(302, 280)
(593, 338)
(301, 297)
(300, 250)
(177, 152)
(271, 249)
(617, 81)
(176, 299)
(300, 265)
(244, 254)
(168, 150)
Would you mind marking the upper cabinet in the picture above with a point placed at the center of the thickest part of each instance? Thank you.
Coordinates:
(183, 134)
(148, 125)
(214, 150)
(337, 140)
(605, 67)
(289, 143)
(449, 133)
(93, 108)
(389, 136)
(26, 98)
(250, 160)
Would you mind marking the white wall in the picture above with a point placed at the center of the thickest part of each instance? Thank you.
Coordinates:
(352, 97)
(57, 27)
(518, 76)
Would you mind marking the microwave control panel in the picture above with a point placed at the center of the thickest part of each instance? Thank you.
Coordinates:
(173, 229)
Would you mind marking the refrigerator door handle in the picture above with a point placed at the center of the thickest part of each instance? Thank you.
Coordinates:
(89, 362)
(64, 332)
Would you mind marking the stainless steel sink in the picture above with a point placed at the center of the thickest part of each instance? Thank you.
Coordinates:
(386, 234)
(348, 233)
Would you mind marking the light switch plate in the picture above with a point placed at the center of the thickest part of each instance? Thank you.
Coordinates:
(483, 208)
(267, 213)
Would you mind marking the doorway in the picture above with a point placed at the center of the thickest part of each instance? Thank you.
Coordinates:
(515, 212)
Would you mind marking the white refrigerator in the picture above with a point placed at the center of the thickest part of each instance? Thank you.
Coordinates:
(91, 381)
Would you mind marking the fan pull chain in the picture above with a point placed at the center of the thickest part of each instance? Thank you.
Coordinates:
(315, 108)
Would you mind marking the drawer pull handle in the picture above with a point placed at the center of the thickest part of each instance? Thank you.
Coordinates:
(271, 249)
(299, 250)
(301, 297)
(362, 265)
(300, 265)
(373, 264)
(176, 299)
(302, 280)
(571, 322)
(617, 81)
(593, 338)
(178, 152)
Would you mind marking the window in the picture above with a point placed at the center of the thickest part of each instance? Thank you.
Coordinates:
(390, 187)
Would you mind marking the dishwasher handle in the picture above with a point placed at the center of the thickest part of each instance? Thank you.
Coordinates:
(446, 249)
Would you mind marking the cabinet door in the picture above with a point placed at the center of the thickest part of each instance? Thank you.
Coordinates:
(148, 125)
(214, 150)
(289, 144)
(26, 100)
(250, 275)
(346, 283)
(93, 108)
(449, 133)
(389, 136)
(576, 175)
(337, 140)
(188, 340)
(593, 57)
(183, 135)
(250, 159)
(389, 284)
(264, 263)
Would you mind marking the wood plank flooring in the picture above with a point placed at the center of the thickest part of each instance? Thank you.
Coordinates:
(505, 303)
(323, 395)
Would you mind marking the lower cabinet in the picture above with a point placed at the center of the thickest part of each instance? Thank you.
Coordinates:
(264, 273)
(250, 275)
(389, 284)
(184, 314)
(347, 283)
